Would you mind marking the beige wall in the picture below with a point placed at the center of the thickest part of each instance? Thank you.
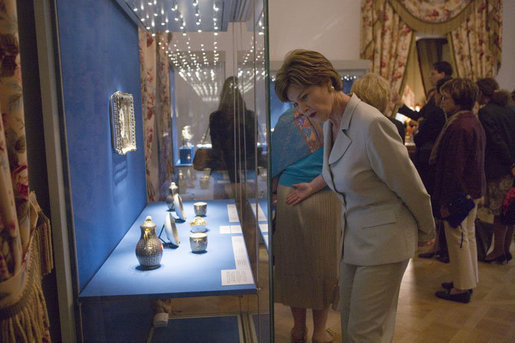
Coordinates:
(328, 26)
(506, 76)
(332, 27)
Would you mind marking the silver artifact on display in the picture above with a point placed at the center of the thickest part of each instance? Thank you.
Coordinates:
(198, 242)
(200, 208)
(149, 249)
(123, 130)
(178, 208)
(198, 224)
(170, 230)
(204, 181)
(172, 190)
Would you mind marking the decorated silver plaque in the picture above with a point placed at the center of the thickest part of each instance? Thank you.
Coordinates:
(122, 123)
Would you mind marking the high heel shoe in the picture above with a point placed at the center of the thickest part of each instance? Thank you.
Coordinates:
(508, 256)
(501, 259)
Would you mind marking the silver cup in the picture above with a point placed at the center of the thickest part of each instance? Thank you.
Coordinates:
(200, 208)
(198, 242)
(204, 182)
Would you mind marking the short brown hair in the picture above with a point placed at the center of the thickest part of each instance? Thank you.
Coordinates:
(304, 68)
(372, 89)
(463, 92)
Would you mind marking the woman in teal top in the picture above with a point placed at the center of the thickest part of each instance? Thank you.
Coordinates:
(306, 236)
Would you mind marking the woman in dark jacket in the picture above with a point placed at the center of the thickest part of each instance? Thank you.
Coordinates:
(458, 157)
(498, 121)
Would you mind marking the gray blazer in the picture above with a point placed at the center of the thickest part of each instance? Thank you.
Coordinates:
(386, 209)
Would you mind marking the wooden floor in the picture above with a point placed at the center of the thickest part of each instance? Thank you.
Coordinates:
(423, 318)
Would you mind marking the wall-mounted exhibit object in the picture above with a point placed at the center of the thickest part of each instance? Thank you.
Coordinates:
(122, 122)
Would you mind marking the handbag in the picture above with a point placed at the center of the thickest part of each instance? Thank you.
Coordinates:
(508, 207)
(459, 208)
(484, 235)
(205, 157)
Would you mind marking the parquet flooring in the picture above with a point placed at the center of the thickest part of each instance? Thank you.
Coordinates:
(423, 318)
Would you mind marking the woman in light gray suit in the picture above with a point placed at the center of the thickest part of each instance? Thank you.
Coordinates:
(386, 209)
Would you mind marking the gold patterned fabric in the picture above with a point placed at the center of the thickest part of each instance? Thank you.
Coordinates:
(386, 40)
(155, 98)
(477, 43)
(436, 16)
(473, 29)
(163, 115)
(25, 245)
(147, 56)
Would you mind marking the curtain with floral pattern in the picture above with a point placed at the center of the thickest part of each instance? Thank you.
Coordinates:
(155, 93)
(25, 245)
(163, 114)
(386, 40)
(477, 42)
(473, 29)
(147, 55)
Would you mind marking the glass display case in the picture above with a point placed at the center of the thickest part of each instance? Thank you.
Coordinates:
(167, 188)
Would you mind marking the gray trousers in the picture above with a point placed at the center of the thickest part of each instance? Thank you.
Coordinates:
(368, 301)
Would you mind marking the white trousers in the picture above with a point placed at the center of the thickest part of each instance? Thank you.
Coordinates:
(461, 242)
(368, 301)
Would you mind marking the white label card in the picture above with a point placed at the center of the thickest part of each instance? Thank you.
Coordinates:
(233, 214)
(260, 214)
(242, 275)
(230, 229)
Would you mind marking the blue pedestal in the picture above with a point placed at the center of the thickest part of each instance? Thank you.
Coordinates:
(186, 154)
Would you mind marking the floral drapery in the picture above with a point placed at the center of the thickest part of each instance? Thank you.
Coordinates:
(477, 42)
(25, 247)
(385, 40)
(147, 58)
(163, 114)
(473, 28)
(436, 16)
(155, 91)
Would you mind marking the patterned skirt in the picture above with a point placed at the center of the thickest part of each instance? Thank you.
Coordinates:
(495, 192)
(306, 245)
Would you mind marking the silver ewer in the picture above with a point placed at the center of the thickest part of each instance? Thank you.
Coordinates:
(149, 249)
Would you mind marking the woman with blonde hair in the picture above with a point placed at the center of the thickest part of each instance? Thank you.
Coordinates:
(375, 91)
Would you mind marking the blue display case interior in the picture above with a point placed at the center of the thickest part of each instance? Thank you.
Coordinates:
(194, 330)
(182, 273)
(99, 55)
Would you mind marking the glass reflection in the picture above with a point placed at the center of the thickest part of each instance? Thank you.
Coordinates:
(219, 112)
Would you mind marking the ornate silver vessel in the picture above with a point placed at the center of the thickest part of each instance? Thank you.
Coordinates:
(149, 249)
